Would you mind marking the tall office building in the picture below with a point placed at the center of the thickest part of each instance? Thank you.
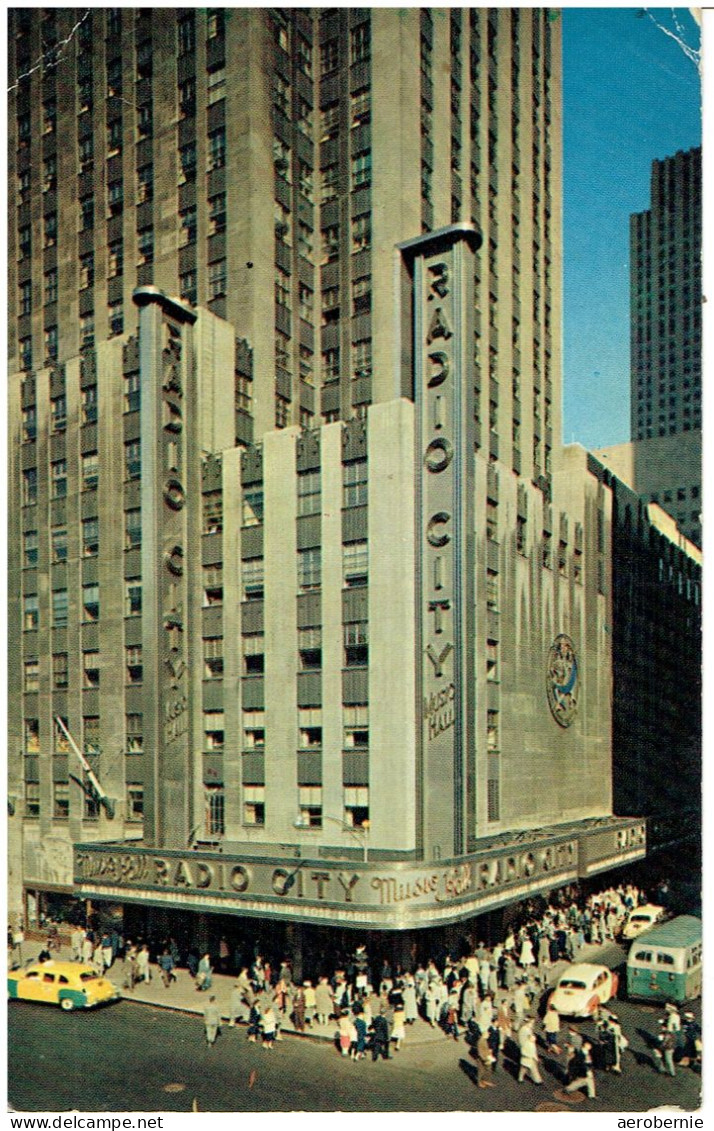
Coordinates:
(662, 463)
(296, 555)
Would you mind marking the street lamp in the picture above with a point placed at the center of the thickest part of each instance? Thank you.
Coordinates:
(361, 833)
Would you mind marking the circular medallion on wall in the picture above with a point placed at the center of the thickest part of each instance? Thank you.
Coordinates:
(562, 681)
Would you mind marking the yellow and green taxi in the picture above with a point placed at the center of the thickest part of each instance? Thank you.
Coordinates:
(71, 985)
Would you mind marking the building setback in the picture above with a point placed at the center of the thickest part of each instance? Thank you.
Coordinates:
(295, 550)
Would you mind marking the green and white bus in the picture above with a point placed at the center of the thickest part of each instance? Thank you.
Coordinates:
(665, 963)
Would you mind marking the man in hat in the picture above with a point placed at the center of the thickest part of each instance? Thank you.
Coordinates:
(211, 1020)
(664, 1049)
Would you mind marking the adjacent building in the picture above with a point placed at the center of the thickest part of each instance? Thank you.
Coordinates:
(296, 555)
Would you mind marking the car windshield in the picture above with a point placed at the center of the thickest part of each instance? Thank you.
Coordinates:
(640, 918)
(88, 978)
(571, 984)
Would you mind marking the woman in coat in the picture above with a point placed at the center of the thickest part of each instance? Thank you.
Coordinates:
(204, 979)
(323, 1001)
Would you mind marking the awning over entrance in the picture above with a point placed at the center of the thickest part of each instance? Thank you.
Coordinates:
(373, 895)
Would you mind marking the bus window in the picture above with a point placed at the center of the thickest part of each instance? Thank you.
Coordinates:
(643, 956)
(665, 959)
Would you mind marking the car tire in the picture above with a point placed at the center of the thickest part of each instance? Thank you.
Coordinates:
(67, 1004)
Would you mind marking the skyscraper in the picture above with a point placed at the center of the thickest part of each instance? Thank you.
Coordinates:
(663, 460)
(297, 556)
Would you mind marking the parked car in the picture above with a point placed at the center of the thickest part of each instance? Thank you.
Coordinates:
(582, 988)
(641, 919)
(71, 985)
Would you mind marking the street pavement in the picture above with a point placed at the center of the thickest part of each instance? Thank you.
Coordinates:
(149, 1054)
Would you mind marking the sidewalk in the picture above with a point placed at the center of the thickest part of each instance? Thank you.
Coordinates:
(183, 996)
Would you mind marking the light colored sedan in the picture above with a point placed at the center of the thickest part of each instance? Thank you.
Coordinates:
(641, 919)
(582, 988)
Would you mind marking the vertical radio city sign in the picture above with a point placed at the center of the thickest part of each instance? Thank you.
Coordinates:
(441, 265)
(166, 417)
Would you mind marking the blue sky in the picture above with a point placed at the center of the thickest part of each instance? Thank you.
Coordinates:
(630, 95)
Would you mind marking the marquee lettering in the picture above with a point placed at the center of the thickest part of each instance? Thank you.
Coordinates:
(439, 519)
(439, 454)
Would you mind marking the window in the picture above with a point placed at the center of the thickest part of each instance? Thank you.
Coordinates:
(132, 459)
(354, 483)
(330, 244)
(29, 422)
(58, 474)
(216, 85)
(354, 564)
(492, 591)
(49, 173)
(304, 239)
(253, 730)
(134, 734)
(85, 154)
(304, 56)
(186, 35)
(356, 727)
(90, 470)
(217, 279)
(144, 184)
(60, 671)
(187, 160)
(32, 736)
(187, 98)
(254, 654)
(282, 288)
(492, 661)
(493, 738)
(361, 170)
(329, 56)
(215, 803)
(188, 286)
(310, 806)
(188, 222)
(32, 799)
(253, 804)
(60, 800)
(50, 286)
(362, 295)
(115, 312)
(32, 675)
(30, 612)
(86, 330)
(362, 358)
(49, 115)
(281, 94)
(134, 666)
(135, 803)
(305, 179)
(58, 539)
(360, 107)
(309, 569)
(60, 608)
(114, 137)
(331, 364)
(309, 728)
(86, 270)
(29, 486)
(52, 343)
(24, 185)
(212, 512)
(24, 241)
(90, 602)
(132, 598)
(216, 213)
(356, 802)
(132, 529)
(115, 259)
(308, 491)
(215, 23)
(361, 232)
(25, 298)
(90, 537)
(213, 657)
(356, 643)
(145, 247)
(252, 578)
(310, 648)
(305, 300)
(86, 214)
(252, 506)
(29, 547)
(90, 667)
(25, 353)
(360, 43)
(216, 149)
(213, 730)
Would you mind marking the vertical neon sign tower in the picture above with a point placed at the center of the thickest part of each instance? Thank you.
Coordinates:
(441, 265)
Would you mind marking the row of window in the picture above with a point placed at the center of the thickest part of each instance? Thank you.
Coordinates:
(90, 605)
(60, 801)
(89, 471)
